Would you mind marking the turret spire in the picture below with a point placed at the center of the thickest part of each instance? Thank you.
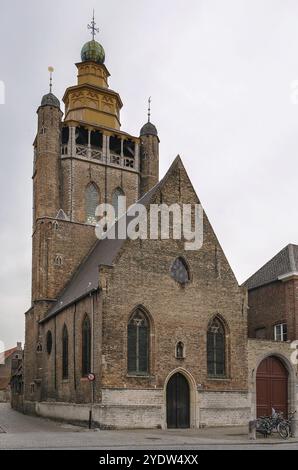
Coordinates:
(149, 108)
(51, 70)
(92, 26)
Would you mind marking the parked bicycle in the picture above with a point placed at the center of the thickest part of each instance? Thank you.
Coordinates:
(266, 425)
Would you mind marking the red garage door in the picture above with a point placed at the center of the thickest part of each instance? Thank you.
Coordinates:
(272, 387)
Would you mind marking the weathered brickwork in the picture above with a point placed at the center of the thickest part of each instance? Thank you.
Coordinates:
(77, 174)
(141, 276)
(271, 304)
(138, 275)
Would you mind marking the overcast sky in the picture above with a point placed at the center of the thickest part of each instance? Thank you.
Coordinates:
(219, 73)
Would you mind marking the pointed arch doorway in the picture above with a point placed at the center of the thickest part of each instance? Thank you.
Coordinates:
(178, 402)
(272, 387)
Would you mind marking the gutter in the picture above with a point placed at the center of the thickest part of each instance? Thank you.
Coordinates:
(63, 307)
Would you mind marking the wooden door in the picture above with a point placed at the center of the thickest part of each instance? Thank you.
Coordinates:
(178, 407)
(272, 387)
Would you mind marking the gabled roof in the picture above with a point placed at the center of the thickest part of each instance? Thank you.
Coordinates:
(9, 352)
(86, 278)
(283, 264)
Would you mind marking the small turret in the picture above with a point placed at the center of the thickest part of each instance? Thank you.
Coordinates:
(47, 157)
(149, 161)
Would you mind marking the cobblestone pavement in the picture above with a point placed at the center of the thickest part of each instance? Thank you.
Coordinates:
(18, 431)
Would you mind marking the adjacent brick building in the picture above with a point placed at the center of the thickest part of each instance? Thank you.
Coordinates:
(8, 360)
(273, 298)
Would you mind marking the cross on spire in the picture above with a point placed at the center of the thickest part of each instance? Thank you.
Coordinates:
(51, 70)
(149, 108)
(93, 28)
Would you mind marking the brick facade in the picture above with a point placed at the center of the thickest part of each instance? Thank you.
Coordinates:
(138, 275)
(271, 304)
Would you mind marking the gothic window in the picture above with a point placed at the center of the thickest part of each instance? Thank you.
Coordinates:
(39, 347)
(116, 194)
(96, 139)
(81, 136)
(65, 135)
(216, 348)
(128, 148)
(49, 342)
(58, 260)
(86, 346)
(115, 145)
(138, 344)
(179, 271)
(180, 350)
(65, 353)
(91, 202)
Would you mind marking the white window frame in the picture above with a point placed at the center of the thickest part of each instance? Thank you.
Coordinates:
(280, 332)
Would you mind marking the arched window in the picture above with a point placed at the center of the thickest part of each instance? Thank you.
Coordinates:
(180, 350)
(86, 346)
(39, 347)
(138, 343)
(49, 342)
(118, 192)
(179, 271)
(216, 361)
(91, 202)
(65, 353)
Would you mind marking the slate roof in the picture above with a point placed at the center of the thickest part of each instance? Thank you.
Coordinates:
(85, 280)
(9, 352)
(285, 262)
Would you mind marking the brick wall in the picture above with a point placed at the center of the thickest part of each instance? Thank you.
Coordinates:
(273, 303)
(141, 276)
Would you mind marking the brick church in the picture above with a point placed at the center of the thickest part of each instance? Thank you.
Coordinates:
(162, 330)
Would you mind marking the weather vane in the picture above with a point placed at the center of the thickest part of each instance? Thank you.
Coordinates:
(51, 70)
(149, 108)
(93, 28)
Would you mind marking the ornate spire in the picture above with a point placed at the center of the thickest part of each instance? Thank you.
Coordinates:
(51, 70)
(149, 128)
(149, 108)
(92, 26)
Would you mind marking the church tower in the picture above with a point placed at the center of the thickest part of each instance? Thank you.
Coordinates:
(81, 159)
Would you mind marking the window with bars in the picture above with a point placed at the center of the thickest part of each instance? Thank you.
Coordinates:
(179, 271)
(216, 361)
(138, 344)
(65, 353)
(280, 332)
(86, 346)
(116, 194)
(91, 202)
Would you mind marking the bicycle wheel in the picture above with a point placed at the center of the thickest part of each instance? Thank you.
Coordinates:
(283, 430)
(263, 426)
